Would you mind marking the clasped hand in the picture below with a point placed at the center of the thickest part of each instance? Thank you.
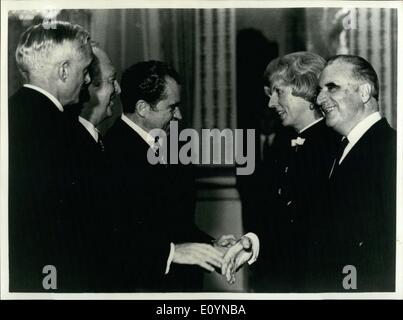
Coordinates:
(227, 253)
(235, 254)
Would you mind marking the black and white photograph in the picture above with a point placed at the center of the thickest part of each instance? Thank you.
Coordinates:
(211, 149)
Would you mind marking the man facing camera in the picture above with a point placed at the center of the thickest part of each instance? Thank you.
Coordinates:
(362, 206)
(53, 61)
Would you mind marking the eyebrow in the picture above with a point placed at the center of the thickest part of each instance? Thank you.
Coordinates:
(329, 85)
(175, 105)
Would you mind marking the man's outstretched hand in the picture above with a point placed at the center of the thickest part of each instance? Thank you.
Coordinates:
(201, 254)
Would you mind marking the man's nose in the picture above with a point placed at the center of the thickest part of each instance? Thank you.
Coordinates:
(177, 114)
(273, 101)
(118, 90)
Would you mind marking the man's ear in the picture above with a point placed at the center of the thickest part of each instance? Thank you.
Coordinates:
(365, 92)
(142, 108)
(64, 70)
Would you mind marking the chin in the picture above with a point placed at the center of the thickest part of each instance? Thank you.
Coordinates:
(285, 123)
(74, 101)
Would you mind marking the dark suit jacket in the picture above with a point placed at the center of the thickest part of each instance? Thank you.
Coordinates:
(297, 178)
(41, 220)
(151, 212)
(92, 204)
(362, 214)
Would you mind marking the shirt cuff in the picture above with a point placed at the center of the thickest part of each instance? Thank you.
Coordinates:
(255, 246)
(170, 258)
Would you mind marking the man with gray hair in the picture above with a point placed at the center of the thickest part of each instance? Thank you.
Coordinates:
(93, 198)
(360, 254)
(42, 227)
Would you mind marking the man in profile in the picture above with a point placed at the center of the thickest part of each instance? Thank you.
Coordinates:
(171, 251)
(93, 202)
(53, 61)
(150, 100)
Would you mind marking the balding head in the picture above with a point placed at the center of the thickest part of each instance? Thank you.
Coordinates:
(103, 88)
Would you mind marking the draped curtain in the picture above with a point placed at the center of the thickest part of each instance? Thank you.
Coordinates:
(375, 38)
(215, 96)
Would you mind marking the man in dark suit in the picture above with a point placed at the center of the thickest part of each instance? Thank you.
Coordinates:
(92, 200)
(53, 59)
(301, 159)
(362, 191)
(169, 248)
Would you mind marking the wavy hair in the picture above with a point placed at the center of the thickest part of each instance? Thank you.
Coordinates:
(36, 47)
(300, 70)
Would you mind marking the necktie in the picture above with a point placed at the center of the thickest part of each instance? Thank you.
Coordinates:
(340, 150)
(101, 143)
(343, 144)
(156, 146)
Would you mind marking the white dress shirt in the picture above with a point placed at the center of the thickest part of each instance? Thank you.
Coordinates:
(358, 131)
(47, 94)
(148, 138)
(89, 127)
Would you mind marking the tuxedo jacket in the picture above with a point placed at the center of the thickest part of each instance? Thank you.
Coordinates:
(41, 189)
(362, 214)
(153, 210)
(297, 179)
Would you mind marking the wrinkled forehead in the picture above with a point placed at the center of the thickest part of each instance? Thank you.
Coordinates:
(337, 71)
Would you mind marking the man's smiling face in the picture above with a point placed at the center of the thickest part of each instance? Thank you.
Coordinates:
(339, 97)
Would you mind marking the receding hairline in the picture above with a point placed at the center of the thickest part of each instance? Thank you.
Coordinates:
(40, 47)
(347, 65)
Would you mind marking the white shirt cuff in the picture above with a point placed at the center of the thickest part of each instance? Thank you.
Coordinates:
(170, 258)
(255, 246)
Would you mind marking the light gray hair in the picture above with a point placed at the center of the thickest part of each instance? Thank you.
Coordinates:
(38, 45)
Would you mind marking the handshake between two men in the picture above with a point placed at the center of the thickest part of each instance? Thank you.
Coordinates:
(227, 253)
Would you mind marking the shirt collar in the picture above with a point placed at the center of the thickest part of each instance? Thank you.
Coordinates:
(362, 127)
(310, 125)
(148, 138)
(89, 127)
(47, 94)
